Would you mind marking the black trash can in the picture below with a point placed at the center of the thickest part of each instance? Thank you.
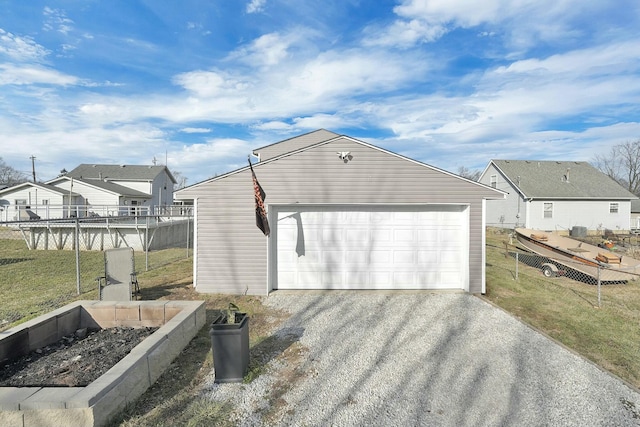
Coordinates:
(230, 344)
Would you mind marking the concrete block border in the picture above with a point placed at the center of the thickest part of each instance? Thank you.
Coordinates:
(95, 404)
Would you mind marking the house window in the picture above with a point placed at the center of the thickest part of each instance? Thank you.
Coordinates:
(613, 207)
(493, 181)
(20, 203)
(548, 210)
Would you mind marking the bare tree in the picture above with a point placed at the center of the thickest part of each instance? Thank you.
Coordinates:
(473, 175)
(9, 175)
(622, 164)
(181, 181)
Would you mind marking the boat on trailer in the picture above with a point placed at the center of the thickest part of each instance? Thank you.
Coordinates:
(579, 256)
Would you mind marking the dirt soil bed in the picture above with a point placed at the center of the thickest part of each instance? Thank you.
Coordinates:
(74, 361)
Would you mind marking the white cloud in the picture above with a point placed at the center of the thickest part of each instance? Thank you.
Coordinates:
(523, 22)
(57, 20)
(208, 84)
(267, 50)
(67, 143)
(255, 6)
(466, 13)
(353, 72)
(26, 75)
(612, 58)
(195, 130)
(214, 157)
(273, 125)
(21, 48)
(405, 33)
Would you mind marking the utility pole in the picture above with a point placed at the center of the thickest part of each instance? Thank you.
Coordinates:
(33, 167)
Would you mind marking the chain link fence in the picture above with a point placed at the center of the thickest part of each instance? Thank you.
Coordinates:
(47, 262)
(615, 267)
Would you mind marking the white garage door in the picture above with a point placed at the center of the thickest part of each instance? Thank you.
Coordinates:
(372, 247)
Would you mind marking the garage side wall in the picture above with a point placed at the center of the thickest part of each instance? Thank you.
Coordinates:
(232, 252)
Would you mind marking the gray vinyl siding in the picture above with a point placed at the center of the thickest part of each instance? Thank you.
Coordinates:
(232, 252)
(590, 212)
(504, 213)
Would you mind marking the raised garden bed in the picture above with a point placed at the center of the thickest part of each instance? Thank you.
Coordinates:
(96, 403)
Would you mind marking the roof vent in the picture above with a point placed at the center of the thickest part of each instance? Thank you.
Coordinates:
(566, 175)
(122, 166)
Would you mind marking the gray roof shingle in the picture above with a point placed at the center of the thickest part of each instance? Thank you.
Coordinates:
(118, 172)
(561, 180)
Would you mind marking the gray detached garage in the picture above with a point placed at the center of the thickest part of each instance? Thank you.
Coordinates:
(343, 215)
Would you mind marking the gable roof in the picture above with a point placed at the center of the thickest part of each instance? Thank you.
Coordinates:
(292, 144)
(336, 137)
(119, 172)
(40, 185)
(560, 180)
(110, 187)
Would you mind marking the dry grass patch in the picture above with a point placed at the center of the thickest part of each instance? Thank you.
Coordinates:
(176, 398)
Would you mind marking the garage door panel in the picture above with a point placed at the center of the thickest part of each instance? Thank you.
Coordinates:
(448, 280)
(309, 279)
(331, 278)
(380, 279)
(403, 235)
(357, 258)
(331, 235)
(357, 236)
(357, 279)
(381, 235)
(331, 257)
(403, 279)
(403, 257)
(371, 248)
(379, 258)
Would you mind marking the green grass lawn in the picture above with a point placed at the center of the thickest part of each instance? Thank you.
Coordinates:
(35, 282)
(568, 311)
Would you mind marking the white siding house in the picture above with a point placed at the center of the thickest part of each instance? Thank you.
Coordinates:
(155, 181)
(343, 214)
(102, 190)
(103, 198)
(635, 215)
(35, 199)
(555, 196)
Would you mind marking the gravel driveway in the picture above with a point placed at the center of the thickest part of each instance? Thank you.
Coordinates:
(433, 359)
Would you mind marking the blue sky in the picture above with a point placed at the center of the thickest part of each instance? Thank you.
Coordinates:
(202, 83)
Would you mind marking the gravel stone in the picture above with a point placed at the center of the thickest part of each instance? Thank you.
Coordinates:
(424, 358)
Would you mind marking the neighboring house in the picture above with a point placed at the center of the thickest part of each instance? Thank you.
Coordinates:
(155, 181)
(93, 190)
(103, 198)
(635, 215)
(21, 201)
(343, 214)
(555, 195)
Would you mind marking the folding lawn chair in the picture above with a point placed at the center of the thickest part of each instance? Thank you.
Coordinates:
(120, 280)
